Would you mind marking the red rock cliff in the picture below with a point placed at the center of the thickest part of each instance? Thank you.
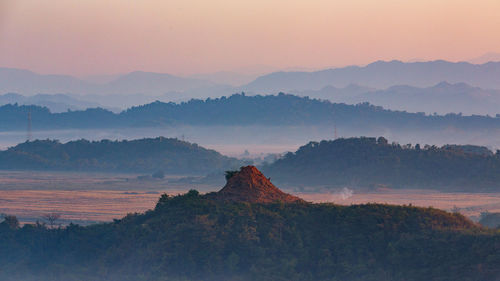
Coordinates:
(250, 185)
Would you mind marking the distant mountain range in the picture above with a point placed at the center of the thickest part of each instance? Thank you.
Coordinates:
(412, 86)
(492, 56)
(441, 98)
(380, 75)
(242, 110)
(138, 82)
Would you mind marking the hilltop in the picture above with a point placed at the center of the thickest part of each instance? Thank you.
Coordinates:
(369, 162)
(250, 185)
(143, 155)
(199, 237)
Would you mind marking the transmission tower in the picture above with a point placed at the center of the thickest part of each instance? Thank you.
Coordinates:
(28, 133)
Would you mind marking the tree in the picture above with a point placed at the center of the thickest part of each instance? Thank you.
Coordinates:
(51, 218)
(230, 174)
(10, 221)
(382, 141)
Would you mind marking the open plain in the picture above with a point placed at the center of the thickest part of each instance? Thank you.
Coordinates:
(85, 198)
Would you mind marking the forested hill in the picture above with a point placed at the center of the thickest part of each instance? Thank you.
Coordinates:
(371, 162)
(192, 237)
(239, 109)
(145, 155)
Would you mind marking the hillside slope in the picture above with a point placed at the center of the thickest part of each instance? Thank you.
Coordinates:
(369, 162)
(198, 237)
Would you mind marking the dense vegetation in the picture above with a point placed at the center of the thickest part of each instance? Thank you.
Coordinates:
(239, 109)
(160, 155)
(370, 162)
(192, 237)
(490, 219)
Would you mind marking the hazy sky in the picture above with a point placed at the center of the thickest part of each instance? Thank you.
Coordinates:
(83, 37)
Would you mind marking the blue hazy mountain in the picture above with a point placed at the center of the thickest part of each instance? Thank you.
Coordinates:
(441, 98)
(27, 82)
(380, 75)
(150, 82)
(336, 94)
(138, 82)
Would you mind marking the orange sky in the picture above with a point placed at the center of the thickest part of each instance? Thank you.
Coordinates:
(191, 36)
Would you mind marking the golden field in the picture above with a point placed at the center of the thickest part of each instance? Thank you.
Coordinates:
(96, 197)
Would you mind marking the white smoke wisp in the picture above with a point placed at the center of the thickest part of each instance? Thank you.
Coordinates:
(346, 193)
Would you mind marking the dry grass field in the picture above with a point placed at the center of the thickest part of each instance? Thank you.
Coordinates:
(78, 206)
(81, 197)
(95, 197)
(44, 180)
(468, 204)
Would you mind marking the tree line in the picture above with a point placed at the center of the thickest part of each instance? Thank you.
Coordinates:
(240, 109)
(370, 163)
(152, 155)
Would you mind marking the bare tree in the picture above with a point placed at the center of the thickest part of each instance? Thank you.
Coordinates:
(51, 218)
(10, 221)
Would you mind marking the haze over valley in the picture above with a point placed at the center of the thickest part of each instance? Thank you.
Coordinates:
(249, 140)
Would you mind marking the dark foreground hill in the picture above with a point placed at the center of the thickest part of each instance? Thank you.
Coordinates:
(207, 237)
(241, 110)
(136, 156)
(369, 162)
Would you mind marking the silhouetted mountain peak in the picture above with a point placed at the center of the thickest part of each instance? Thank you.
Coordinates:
(454, 86)
(145, 74)
(443, 84)
(250, 185)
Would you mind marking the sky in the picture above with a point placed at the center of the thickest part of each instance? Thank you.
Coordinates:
(198, 36)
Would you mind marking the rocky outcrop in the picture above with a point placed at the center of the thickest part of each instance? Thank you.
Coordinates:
(250, 185)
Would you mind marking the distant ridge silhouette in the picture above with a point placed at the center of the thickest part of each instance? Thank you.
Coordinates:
(382, 74)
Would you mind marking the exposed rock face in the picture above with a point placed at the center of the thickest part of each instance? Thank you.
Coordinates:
(250, 185)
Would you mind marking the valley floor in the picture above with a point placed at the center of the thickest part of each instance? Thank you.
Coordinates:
(468, 204)
(85, 198)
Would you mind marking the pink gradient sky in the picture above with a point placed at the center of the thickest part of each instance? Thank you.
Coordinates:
(196, 36)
